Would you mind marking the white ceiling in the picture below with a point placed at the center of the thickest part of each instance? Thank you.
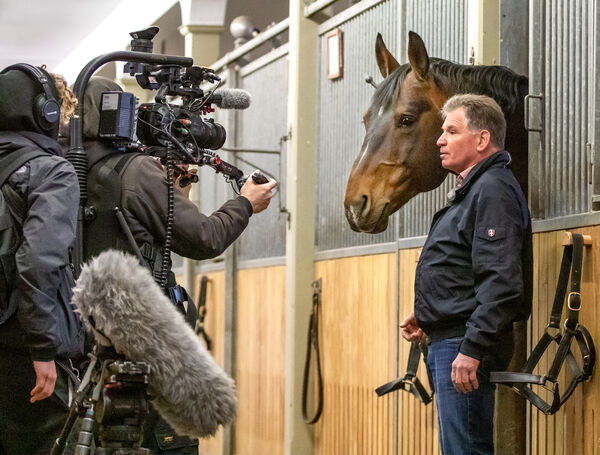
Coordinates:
(66, 34)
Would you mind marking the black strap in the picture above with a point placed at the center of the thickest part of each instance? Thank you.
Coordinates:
(313, 343)
(409, 382)
(11, 161)
(521, 381)
(200, 330)
(178, 295)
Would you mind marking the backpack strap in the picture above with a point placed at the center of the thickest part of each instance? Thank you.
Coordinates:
(101, 229)
(9, 163)
(12, 161)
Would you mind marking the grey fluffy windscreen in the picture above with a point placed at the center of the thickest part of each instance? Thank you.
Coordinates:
(232, 98)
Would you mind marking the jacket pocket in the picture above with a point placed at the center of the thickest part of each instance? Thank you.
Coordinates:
(489, 245)
(445, 283)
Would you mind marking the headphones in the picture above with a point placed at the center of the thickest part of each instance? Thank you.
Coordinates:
(45, 107)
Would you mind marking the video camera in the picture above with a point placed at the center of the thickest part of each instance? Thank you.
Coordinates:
(179, 129)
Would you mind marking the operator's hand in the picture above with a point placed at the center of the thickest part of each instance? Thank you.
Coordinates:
(45, 378)
(188, 186)
(464, 373)
(410, 329)
(258, 195)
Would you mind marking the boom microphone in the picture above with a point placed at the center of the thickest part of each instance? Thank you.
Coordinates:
(231, 98)
(118, 298)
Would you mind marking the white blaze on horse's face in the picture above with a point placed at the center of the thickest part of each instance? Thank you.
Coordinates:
(364, 154)
(380, 113)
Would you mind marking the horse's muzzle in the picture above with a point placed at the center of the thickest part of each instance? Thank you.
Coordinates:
(362, 218)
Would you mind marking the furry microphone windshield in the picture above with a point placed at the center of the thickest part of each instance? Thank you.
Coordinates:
(191, 392)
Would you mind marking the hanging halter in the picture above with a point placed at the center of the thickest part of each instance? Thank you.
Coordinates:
(522, 382)
(409, 382)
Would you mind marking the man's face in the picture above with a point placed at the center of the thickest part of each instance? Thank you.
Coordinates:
(458, 145)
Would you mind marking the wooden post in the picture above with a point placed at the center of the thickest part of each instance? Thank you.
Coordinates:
(298, 437)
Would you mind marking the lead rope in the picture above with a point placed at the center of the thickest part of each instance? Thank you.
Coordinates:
(313, 343)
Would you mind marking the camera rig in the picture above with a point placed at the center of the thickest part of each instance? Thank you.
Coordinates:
(113, 392)
(176, 133)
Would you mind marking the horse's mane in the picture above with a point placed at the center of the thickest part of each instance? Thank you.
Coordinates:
(499, 82)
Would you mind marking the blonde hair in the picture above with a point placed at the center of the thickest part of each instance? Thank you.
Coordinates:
(68, 100)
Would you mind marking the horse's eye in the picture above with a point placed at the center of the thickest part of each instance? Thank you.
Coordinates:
(405, 121)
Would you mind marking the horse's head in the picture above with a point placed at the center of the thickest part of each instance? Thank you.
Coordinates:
(399, 157)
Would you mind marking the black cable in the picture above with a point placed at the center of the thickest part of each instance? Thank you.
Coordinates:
(166, 256)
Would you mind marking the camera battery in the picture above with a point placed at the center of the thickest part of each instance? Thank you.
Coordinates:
(117, 116)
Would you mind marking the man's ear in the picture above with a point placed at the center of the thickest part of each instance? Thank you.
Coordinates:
(483, 140)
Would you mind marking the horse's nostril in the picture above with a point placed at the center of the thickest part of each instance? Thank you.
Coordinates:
(365, 205)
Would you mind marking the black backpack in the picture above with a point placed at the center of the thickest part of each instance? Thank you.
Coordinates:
(12, 213)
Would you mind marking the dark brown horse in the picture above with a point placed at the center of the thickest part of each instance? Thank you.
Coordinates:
(399, 157)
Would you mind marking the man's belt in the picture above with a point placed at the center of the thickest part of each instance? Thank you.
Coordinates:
(410, 382)
(521, 382)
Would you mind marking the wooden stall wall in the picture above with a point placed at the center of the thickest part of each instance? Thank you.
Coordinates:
(417, 423)
(575, 429)
(214, 324)
(358, 338)
(260, 361)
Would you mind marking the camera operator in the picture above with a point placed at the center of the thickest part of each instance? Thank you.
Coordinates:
(38, 212)
(138, 185)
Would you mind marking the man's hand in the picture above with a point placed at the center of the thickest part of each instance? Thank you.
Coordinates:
(464, 373)
(185, 178)
(410, 329)
(45, 378)
(258, 195)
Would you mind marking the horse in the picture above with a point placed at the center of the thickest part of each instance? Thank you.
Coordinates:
(399, 157)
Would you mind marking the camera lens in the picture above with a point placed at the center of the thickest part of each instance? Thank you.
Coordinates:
(208, 134)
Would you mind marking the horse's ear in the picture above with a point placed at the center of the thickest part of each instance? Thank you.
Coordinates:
(417, 56)
(385, 60)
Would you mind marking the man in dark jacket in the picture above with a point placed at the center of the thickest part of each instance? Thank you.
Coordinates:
(143, 200)
(37, 326)
(474, 273)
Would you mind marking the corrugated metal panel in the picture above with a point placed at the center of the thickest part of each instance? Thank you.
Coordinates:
(594, 111)
(443, 26)
(213, 191)
(261, 127)
(342, 102)
(567, 88)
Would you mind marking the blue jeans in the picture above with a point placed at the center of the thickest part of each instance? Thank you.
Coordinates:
(466, 421)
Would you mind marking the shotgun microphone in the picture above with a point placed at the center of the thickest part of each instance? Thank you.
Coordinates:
(231, 98)
(120, 302)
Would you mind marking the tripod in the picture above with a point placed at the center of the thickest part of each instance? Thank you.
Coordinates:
(113, 401)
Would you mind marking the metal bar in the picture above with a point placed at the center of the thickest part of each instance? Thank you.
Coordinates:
(262, 262)
(265, 60)
(232, 56)
(346, 15)
(245, 150)
(366, 250)
(567, 222)
(317, 6)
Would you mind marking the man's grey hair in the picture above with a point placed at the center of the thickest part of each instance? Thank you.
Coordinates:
(481, 113)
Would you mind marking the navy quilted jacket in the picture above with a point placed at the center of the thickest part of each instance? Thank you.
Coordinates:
(475, 271)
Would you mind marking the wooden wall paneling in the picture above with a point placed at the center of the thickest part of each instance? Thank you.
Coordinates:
(574, 429)
(214, 324)
(357, 335)
(260, 361)
(417, 423)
